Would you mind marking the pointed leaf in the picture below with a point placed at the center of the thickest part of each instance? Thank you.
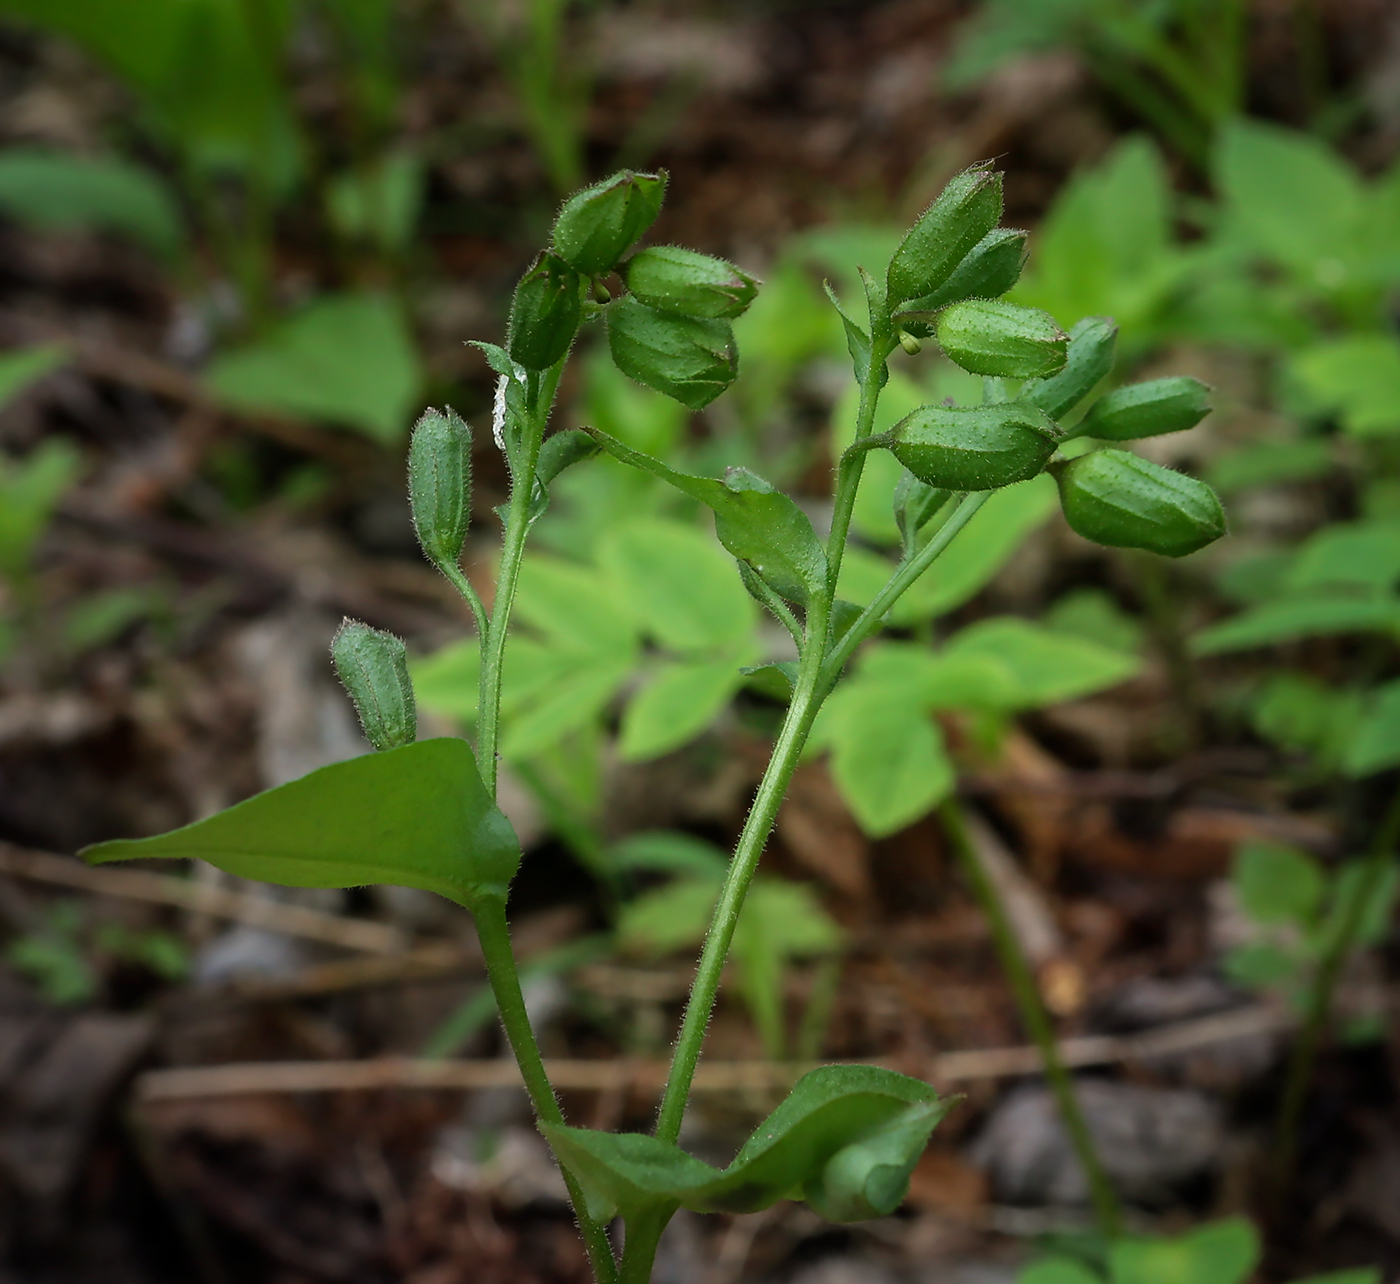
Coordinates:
(418, 816)
(756, 523)
(677, 705)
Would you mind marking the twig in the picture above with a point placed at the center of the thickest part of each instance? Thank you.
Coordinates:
(252, 1077)
(162, 889)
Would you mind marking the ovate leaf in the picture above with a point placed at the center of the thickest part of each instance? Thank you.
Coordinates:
(1049, 666)
(1358, 376)
(348, 359)
(1223, 1252)
(1278, 884)
(1313, 615)
(756, 523)
(418, 816)
(676, 706)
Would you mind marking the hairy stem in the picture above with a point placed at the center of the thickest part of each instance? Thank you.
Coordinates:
(1033, 1016)
(494, 935)
(1319, 999)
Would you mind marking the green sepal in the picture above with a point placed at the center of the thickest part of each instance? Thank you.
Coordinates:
(1147, 409)
(915, 503)
(990, 269)
(373, 668)
(672, 279)
(417, 816)
(691, 359)
(830, 1111)
(857, 342)
(563, 450)
(545, 313)
(1117, 498)
(440, 484)
(597, 226)
(777, 679)
(755, 522)
(974, 447)
(1003, 340)
(965, 211)
(1088, 359)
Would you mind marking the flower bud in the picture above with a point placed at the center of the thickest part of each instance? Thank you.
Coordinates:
(1147, 409)
(1117, 498)
(676, 280)
(373, 668)
(596, 226)
(991, 337)
(440, 484)
(692, 359)
(545, 313)
(990, 269)
(974, 447)
(965, 211)
(1088, 358)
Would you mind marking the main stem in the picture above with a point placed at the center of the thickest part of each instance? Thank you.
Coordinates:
(1035, 1018)
(1319, 1001)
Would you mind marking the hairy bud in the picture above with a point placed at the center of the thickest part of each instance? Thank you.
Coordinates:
(1088, 358)
(545, 313)
(1147, 409)
(974, 447)
(598, 225)
(965, 211)
(992, 337)
(1117, 498)
(676, 280)
(373, 668)
(692, 359)
(440, 484)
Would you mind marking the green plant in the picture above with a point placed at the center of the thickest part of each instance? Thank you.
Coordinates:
(423, 813)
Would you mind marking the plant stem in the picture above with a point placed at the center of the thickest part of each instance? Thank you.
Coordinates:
(458, 579)
(1319, 999)
(1034, 1017)
(494, 935)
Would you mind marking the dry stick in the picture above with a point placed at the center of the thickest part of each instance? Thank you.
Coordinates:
(193, 1083)
(161, 889)
(1035, 1018)
(1319, 1001)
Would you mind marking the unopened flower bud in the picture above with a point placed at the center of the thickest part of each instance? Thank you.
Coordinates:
(545, 313)
(1117, 498)
(692, 359)
(373, 668)
(965, 211)
(974, 447)
(1088, 358)
(597, 226)
(992, 337)
(909, 343)
(440, 484)
(1147, 409)
(671, 279)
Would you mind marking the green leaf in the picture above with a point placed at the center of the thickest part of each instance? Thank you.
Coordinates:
(1272, 463)
(348, 359)
(575, 606)
(672, 852)
(887, 756)
(756, 523)
(418, 816)
(1357, 1275)
(1223, 1252)
(58, 193)
(1057, 1270)
(1297, 712)
(680, 586)
(1357, 376)
(1361, 555)
(676, 705)
(1374, 920)
(1375, 744)
(1049, 666)
(1278, 884)
(980, 550)
(1262, 966)
(829, 1110)
(447, 681)
(1095, 615)
(580, 689)
(777, 679)
(30, 490)
(671, 917)
(1315, 615)
(22, 366)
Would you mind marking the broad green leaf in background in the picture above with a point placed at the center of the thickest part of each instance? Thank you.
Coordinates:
(1297, 712)
(1348, 885)
(1223, 1252)
(828, 1111)
(575, 606)
(57, 193)
(446, 681)
(677, 704)
(30, 490)
(348, 360)
(1271, 463)
(1057, 1270)
(756, 523)
(1375, 744)
(681, 589)
(670, 851)
(1278, 884)
(417, 816)
(20, 367)
(1314, 615)
(581, 689)
(1049, 665)
(1094, 615)
(1361, 555)
(1357, 376)
(379, 203)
